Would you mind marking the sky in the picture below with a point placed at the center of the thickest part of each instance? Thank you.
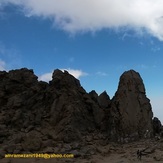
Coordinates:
(95, 41)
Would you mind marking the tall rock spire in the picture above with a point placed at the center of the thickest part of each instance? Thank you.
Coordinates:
(132, 107)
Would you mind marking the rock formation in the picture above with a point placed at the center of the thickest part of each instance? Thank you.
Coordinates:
(35, 115)
(157, 127)
(131, 108)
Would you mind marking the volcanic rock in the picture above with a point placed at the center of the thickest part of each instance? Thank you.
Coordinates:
(104, 100)
(93, 95)
(60, 110)
(131, 108)
(35, 115)
(157, 126)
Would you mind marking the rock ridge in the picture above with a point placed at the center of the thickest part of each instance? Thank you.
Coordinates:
(35, 115)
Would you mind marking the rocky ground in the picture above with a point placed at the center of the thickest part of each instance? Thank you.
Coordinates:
(108, 153)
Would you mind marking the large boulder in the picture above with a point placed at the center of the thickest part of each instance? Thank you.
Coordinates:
(157, 126)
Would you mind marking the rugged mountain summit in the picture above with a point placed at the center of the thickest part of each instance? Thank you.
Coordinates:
(35, 115)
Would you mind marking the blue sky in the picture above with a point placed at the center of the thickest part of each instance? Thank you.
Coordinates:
(95, 46)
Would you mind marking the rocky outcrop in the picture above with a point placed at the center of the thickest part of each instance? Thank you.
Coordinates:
(104, 100)
(131, 108)
(72, 108)
(157, 127)
(35, 115)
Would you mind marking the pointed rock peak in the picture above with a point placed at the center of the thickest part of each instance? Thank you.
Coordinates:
(57, 72)
(93, 95)
(104, 99)
(131, 81)
(104, 94)
(62, 79)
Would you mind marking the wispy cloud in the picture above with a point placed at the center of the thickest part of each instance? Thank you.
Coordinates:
(155, 49)
(2, 62)
(143, 16)
(101, 73)
(2, 65)
(76, 73)
(142, 66)
(11, 56)
(2, 14)
(125, 35)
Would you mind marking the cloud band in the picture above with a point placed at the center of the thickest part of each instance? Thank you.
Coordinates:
(92, 15)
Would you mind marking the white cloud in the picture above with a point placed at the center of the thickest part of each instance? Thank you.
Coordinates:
(157, 107)
(93, 15)
(46, 77)
(2, 65)
(76, 73)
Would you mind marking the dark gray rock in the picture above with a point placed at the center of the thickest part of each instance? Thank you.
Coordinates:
(35, 115)
(104, 100)
(131, 107)
(2, 153)
(157, 126)
(93, 95)
(32, 142)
